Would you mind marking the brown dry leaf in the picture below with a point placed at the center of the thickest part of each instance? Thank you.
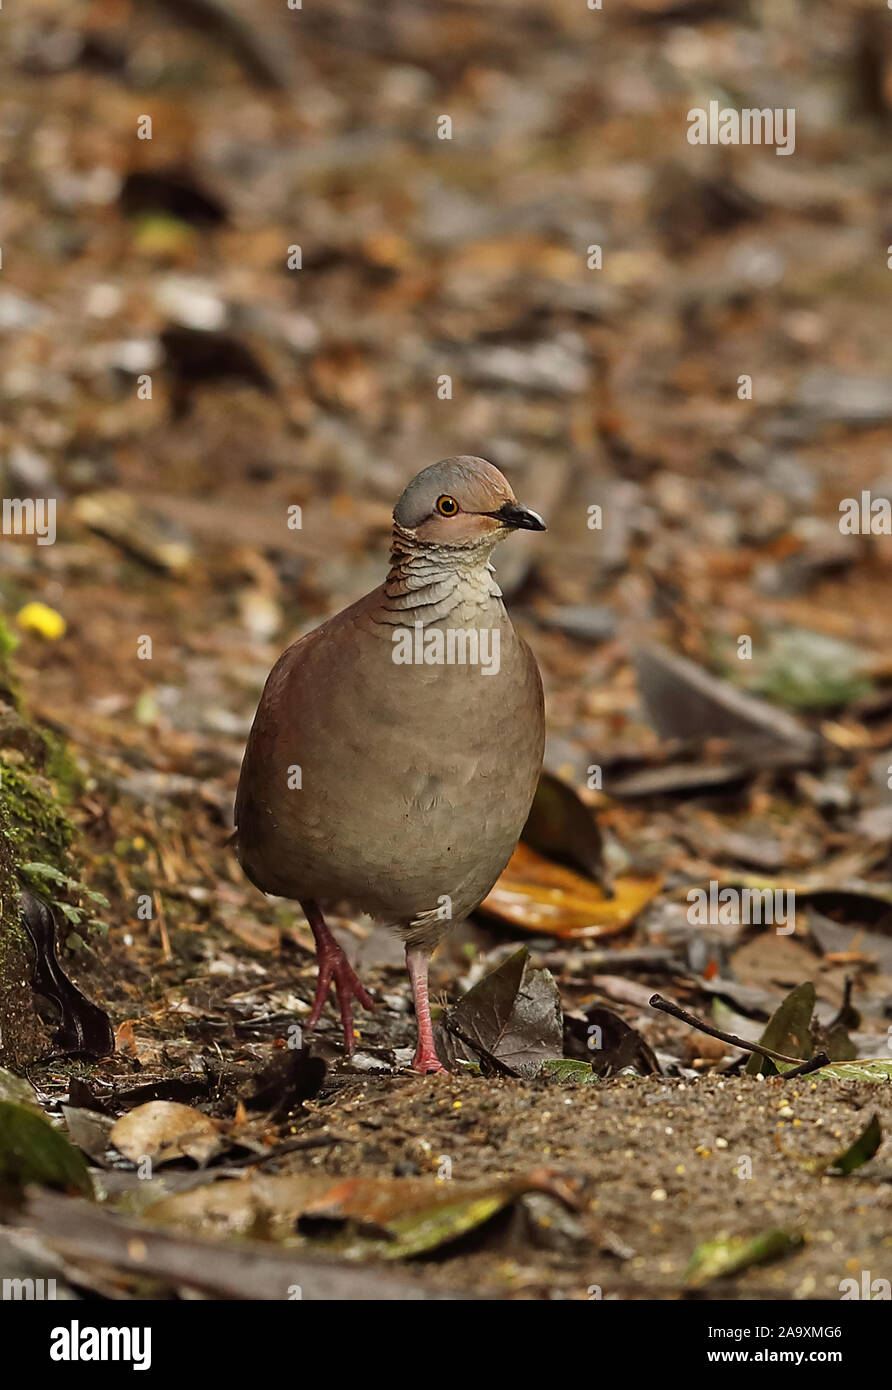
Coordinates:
(389, 249)
(343, 377)
(774, 962)
(383, 1200)
(164, 1130)
(539, 896)
(117, 516)
(412, 1215)
(503, 256)
(260, 936)
(125, 1039)
(702, 1048)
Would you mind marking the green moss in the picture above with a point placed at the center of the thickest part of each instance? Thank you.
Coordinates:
(43, 751)
(8, 644)
(20, 1031)
(62, 768)
(10, 926)
(9, 690)
(41, 838)
(38, 779)
(38, 826)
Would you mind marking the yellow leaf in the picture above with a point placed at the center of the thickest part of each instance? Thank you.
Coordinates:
(540, 896)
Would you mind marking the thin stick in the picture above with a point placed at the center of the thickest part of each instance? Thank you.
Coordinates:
(657, 1001)
(312, 1141)
(819, 1060)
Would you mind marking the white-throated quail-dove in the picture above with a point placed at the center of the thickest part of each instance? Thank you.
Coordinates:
(396, 748)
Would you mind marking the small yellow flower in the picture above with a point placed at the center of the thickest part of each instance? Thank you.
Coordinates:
(38, 617)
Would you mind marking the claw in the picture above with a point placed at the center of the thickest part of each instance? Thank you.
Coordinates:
(334, 966)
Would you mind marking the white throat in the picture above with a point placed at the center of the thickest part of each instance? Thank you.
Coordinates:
(427, 583)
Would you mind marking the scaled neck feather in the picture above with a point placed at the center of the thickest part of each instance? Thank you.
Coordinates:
(427, 583)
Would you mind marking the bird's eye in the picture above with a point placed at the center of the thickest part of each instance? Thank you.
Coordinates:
(447, 506)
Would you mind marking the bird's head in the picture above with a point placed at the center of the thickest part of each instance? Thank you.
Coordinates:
(461, 503)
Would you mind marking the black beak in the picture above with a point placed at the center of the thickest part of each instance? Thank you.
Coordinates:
(521, 518)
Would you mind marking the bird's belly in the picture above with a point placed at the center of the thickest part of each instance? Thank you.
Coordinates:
(392, 815)
(411, 843)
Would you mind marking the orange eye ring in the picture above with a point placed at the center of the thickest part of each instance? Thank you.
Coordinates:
(447, 506)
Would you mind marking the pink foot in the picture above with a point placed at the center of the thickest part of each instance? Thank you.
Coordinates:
(425, 1059)
(334, 966)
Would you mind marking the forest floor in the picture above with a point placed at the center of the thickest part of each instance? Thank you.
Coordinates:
(179, 582)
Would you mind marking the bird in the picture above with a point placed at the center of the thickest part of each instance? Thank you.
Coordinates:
(396, 748)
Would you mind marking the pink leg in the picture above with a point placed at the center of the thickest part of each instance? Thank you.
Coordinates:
(333, 965)
(425, 1059)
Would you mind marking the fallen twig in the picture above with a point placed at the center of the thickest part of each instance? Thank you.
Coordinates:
(311, 1141)
(800, 1068)
(819, 1060)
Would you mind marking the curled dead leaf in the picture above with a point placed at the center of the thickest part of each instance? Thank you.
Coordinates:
(393, 1218)
(163, 1131)
(539, 896)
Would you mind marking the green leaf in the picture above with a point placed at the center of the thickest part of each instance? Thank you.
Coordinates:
(835, 1041)
(48, 871)
(788, 1030)
(872, 1069)
(16, 1088)
(32, 1151)
(804, 669)
(864, 1148)
(715, 1259)
(90, 893)
(418, 1232)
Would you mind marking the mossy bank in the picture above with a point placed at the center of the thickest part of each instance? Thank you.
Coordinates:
(36, 837)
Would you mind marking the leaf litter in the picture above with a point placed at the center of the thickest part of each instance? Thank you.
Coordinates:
(722, 520)
(389, 1218)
